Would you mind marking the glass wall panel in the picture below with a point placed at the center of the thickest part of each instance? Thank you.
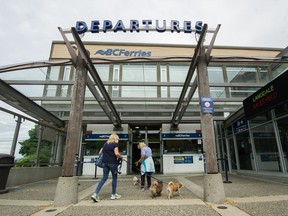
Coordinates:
(53, 74)
(242, 91)
(281, 110)
(65, 91)
(279, 70)
(139, 72)
(260, 119)
(93, 147)
(51, 90)
(182, 147)
(217, 92)
(283, 132)
(267, 156)
(264, 78)
(139, 91)
(103, 71)
(215, 75)
(242, 74)
(244, 151)
(178, 73)
(175, 92)
(32, 91)
(232, 153)
(163, 78)
(27, 74)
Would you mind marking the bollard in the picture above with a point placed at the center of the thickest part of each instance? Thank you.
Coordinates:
(226, 171)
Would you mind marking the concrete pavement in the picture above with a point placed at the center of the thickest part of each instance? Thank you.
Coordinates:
(244, 196)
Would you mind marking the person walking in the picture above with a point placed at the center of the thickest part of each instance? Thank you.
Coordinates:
(147, 165)
(111, 156)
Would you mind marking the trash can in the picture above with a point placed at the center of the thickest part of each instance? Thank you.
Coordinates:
(6, 162)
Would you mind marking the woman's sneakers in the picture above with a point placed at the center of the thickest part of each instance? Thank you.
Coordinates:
(95, 197)
(115, 196)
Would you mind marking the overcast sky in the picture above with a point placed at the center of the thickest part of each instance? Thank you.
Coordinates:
(29, 26)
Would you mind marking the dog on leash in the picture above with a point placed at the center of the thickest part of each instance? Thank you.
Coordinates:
(136, 181)
(173, 187)
(156, 188)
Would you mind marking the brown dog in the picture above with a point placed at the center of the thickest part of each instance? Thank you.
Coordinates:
(156, 188)
(173, 187)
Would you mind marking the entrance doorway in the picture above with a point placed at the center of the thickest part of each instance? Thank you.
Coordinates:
(150, 135)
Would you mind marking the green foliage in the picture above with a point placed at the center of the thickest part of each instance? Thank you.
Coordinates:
(29, 147)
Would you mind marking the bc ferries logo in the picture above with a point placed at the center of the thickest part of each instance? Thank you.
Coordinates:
(123, 52)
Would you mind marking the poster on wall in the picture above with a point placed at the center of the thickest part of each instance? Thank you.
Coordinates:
(183, 159)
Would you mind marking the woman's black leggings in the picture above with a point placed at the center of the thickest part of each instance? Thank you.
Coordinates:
(148, 175)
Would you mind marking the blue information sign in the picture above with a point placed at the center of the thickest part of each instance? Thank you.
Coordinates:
(207, 105)
(183, 159)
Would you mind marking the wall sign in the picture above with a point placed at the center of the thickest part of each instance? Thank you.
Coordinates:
(135, 26)
(183, 159)
(207, 105)
(181, 135)
(104, 136)
(123, 52)
(271, 95)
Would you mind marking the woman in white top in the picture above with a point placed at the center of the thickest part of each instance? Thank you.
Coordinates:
(147, 164)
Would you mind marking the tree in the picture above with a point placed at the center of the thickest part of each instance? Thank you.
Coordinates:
(29, 147)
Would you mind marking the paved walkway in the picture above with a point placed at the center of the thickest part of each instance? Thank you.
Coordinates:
(244, 196)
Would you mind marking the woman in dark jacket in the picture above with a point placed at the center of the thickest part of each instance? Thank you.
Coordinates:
(110, 155)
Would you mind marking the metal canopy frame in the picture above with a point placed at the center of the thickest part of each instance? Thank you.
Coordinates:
(106, 105)
(16, 99)
(183, 113)
(182, 104)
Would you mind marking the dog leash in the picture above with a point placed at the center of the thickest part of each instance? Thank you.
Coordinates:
(144, 172)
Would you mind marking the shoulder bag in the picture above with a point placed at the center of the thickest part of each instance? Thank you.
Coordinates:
(99, 162)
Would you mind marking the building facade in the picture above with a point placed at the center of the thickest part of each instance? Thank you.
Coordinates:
(145, 81)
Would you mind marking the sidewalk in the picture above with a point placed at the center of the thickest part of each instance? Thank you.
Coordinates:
(244, 196)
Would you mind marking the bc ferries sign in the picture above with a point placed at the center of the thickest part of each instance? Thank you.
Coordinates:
(136, 26)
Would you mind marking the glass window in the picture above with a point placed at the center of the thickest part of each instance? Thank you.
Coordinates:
(175, 92)
(178, 73)
(281, 110)
(139, 72)
(264, 78)
(242, 91)
(139, 91)
(242, 74)
(51, 90)
(93, 147)
(283, 132)
(182, 147)
(103, 71)
(232, 153)
(67, 73)
(116, 74)
(217, 92)
(163, 78)
(53, 74)
(64, 91)
(260, 119)
(215, 75)
(244, 151)
(279, 70)
(267, 157)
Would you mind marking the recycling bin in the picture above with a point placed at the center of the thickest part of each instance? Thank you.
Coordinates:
(6, 162)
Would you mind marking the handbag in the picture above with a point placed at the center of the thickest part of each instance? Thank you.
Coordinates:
(99, 162)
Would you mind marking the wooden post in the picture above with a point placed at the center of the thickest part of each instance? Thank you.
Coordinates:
(75, 119)
(206, 118)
